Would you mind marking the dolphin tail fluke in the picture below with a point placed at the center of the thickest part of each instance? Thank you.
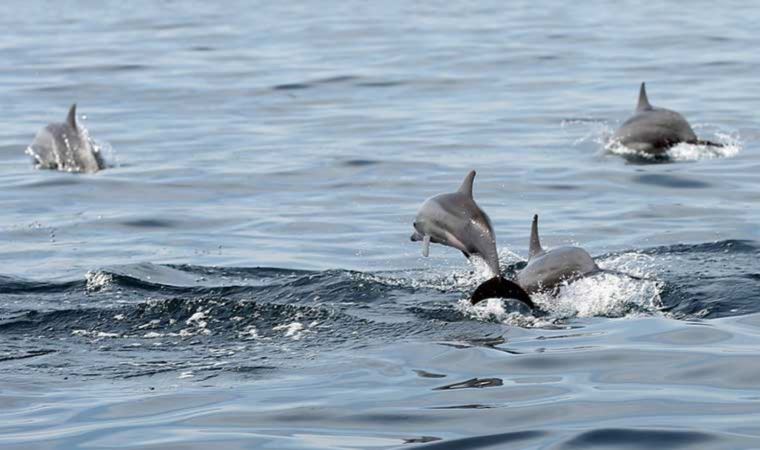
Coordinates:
(500, 287)
(706, 143)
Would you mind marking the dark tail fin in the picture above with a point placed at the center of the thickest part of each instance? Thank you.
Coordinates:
(500, 287)
(706, 143)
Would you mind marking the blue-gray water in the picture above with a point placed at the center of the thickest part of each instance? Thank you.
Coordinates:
(242, 277)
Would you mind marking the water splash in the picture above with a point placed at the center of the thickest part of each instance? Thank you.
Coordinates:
(600, 295)
(682, 152)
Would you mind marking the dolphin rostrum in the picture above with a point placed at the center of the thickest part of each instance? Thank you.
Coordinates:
(66, 147)
(654, 130)
(455, 220)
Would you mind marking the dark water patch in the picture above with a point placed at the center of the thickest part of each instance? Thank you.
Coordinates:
(149, 223)
(426, 374)
(115, 68)
(638, 438)
(642, 159)
(337, 79)
(25, 355)
(476, 383)
(379, 84)
(561, 187)
(13, 285)
(421, 440)
(360, 162)
(502, 440)
(314, 83)
(291, 86)
(470, 406)
(670, 181)
(725, 246)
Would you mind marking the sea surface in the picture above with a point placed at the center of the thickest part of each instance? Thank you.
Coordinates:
(241, 275)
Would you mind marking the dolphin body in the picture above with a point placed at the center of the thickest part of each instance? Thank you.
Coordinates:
(547, 269)
(654, 130)
(455, 220)
(66, 147)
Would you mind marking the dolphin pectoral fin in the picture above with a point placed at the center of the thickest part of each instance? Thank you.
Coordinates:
(500, 287)
(453, 241)
(426, 246)
(706, 143)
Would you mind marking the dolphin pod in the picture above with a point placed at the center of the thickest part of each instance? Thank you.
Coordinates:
(66, 147)
(652, 130)
(455, 220)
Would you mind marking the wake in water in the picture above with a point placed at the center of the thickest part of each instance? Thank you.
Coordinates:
(600, 132)
(145, 319)
(606, 294)
(681, 152)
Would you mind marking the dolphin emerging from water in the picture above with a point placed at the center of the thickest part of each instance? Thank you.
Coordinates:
(654, 130)
(65, 146)
(455, 220)
(548, 269)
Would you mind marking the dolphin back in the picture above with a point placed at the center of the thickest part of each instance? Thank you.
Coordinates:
(558, 265)
(653, 130)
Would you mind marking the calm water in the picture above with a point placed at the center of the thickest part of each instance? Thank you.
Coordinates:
(242, 275)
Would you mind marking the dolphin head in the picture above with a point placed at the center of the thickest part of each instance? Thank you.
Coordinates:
(455, 220)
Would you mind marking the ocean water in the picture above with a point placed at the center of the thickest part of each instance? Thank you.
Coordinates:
(241, 276)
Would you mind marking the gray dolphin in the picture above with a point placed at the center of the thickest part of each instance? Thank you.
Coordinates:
(547, 269)
(455, 220)
(654, 130)
(65, 146)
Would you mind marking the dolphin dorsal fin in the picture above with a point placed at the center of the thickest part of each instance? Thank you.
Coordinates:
(535, 243)
(643, 104)
(466, 187)
(71, 119)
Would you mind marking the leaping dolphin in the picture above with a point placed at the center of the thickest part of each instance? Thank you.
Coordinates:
(65, 146)
(654, 130)
(455, 220)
